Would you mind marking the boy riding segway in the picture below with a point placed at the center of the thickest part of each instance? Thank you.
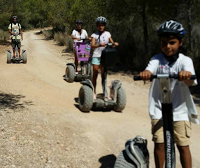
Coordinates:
(171, 106)
(171, 34)
(15, 30)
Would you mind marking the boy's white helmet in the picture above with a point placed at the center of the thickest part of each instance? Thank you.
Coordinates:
(171, 27)
(101, 19)
(15, 17)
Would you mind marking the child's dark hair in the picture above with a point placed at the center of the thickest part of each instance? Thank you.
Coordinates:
(169, 35)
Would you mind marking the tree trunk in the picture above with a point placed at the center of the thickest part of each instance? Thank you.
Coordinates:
(189, 24)
(145, 30)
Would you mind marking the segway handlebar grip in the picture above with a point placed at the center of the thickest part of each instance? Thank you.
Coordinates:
(136, 78)
(193, 77)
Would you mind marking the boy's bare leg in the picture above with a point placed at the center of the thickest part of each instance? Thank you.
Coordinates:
(14, 52)
(185, 156)
(19, 52)
(159, 155)
(76, 62)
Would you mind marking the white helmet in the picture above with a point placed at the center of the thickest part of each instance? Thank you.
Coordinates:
(101, 19)
(171, 27)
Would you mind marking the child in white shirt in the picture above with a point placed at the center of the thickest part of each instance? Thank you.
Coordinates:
(171, 35)
(99, 40)
(77, 35)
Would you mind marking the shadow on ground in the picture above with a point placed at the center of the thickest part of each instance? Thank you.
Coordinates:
(38, 33)
(12, 101)
(107, 161)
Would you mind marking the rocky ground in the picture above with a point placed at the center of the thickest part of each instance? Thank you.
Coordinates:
(42, 127)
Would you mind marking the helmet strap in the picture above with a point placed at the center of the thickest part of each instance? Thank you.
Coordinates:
(172, 58)
(100, 33)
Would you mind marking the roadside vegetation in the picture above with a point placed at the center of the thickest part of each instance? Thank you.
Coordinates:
(132, 23)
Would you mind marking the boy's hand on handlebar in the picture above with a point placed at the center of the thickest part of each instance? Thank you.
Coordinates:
(79, 39)
(145, 75)
(116, 44)
(102, 45)
(184, 75)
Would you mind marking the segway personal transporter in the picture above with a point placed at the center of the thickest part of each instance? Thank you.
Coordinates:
(117, 93)
(83, 56)
(11, 59)
(167, 115)
(135, 154)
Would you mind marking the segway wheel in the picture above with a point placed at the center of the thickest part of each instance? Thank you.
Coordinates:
(85, 99)
(24, 57)
(121, 100)
(70, 73)
(123, 161)
(8, 57)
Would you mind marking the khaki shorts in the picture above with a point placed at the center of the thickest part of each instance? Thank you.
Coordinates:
(15, 43)
(182, 132)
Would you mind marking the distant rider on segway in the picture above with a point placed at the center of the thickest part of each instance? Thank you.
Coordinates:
(15, 30)
(99, 41)
(77, 35)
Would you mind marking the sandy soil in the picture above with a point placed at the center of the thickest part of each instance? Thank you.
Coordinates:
(41, 125)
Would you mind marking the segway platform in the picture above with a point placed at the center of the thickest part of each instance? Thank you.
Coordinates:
(11, 59)
(87, 102)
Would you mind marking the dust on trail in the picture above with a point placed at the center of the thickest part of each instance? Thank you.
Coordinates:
(41, 125)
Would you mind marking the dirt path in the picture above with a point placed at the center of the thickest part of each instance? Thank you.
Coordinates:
(41, 126)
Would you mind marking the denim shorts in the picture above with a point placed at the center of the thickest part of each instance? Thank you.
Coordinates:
(96, 60)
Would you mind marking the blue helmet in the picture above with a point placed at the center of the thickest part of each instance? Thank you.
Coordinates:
(171, 27)
(79, 22)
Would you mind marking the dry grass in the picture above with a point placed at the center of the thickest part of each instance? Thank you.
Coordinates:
(62, 38)
(4, 37)
(48, 34)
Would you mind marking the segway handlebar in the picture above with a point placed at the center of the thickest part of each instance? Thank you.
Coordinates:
(137, 78)
(109, 45)
(85, 39)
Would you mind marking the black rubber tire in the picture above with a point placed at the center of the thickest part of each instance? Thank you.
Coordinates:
(85, 98)
(70, 74)
(24, 57)
(123, 162)
(121, 100)
(8, 58)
